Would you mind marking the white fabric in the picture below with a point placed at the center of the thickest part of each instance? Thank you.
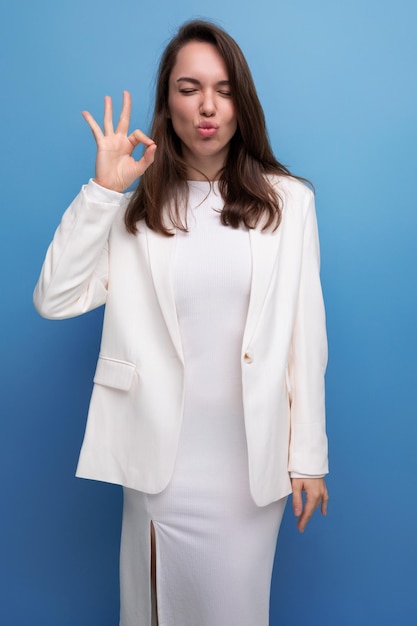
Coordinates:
(92, 260)
(215, 547)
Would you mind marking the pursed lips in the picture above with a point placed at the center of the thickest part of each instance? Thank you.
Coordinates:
(207, 129)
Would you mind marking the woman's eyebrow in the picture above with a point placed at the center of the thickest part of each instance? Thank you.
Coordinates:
(195, 81)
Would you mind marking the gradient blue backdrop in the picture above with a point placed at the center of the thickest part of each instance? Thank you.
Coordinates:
(338, 84)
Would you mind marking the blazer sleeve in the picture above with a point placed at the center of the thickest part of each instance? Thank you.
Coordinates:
(74, 275)
(308, 360)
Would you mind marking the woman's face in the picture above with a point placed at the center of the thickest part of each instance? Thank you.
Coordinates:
(201, 107)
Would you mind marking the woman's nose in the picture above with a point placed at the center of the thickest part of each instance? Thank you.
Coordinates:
(207, 106)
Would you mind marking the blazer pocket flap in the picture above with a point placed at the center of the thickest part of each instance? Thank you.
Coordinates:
(114, 373)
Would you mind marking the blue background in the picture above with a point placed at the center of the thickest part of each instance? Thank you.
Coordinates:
(338, 84)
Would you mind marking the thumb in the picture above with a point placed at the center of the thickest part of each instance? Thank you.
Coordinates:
(149, 154)
(146, 160)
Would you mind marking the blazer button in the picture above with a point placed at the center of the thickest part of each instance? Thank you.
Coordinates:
(248, 357)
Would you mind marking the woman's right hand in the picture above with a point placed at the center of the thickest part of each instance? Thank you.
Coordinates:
(116, 168)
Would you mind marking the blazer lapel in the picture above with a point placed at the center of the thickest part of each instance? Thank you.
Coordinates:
(161, 254)
(264, 248)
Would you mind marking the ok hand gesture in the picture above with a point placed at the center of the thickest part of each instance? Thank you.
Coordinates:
(116, 168)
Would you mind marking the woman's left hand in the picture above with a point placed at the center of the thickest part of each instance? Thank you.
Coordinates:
(315, 494)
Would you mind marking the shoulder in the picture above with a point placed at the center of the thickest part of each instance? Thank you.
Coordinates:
(295, 197)
(291, 190)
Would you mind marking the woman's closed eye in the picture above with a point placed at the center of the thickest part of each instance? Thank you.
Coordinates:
(190, 90)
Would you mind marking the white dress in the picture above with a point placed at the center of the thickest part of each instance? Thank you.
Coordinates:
(214, 546)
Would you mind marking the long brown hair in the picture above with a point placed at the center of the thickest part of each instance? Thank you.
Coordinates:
(247, 193)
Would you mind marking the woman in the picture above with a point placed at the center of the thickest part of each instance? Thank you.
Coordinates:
(208, 403)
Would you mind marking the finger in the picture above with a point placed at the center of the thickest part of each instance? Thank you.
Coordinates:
(324, 502)
(124, 119)
(138, 137)
(306, 515)
(297, 499)
(95, 128)
(313, 499)
(108, 116)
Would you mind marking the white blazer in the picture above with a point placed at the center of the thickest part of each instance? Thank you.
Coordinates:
(134, 419)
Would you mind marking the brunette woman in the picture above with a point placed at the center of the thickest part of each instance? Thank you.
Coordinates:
(208, 403)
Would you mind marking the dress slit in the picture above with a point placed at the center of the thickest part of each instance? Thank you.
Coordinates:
(154, 576)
